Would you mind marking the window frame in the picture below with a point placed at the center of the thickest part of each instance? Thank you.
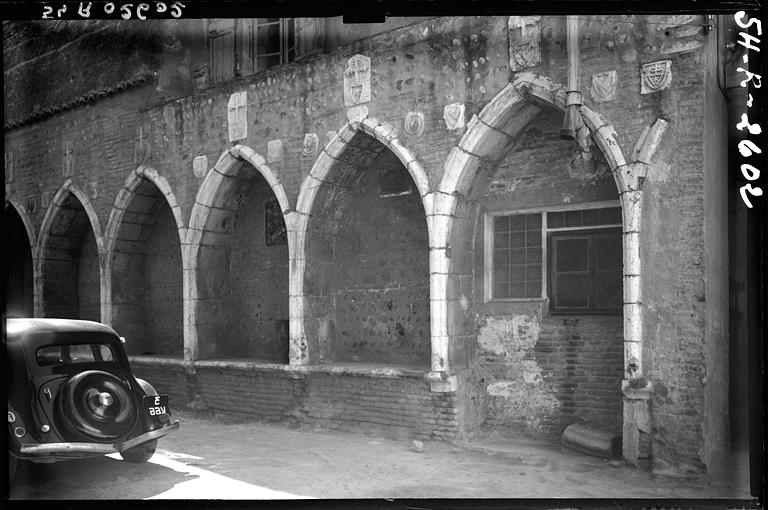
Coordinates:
(545, 248)
(590, 234)
(244, 33)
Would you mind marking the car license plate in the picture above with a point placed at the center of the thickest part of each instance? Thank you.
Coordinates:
(156, 405)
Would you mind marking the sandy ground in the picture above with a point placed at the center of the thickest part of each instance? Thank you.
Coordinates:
(222, 458)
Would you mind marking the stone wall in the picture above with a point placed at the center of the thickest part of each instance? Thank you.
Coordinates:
(427, 70)
(397, 404)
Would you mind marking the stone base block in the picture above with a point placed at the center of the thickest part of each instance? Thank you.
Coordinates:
(591, 441)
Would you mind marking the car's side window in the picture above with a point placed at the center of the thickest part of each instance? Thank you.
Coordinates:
(73, 353)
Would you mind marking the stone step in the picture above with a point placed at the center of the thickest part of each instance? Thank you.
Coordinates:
(591, 441)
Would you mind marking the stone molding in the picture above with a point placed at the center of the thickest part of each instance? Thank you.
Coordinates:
(205, 200)
(38, 258)
(297, 227)
(122, 201)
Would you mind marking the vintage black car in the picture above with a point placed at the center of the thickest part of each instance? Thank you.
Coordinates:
(72, 394)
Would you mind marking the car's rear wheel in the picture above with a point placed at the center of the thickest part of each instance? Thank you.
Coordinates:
(97, 405)
(140, 453)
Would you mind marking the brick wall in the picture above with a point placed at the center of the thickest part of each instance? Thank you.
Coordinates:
(259, 278)
(89, 280)
(544, 372)
(71, 263)
(398, 407)
(380, 274)
(424, 67)
(163, 277)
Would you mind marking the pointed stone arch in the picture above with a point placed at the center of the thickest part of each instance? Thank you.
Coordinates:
(320, 174)
(488, 137)
(59, 202)
(487, 140)
(161, 195)
(19, 269)
(236, 165)
(15, 202)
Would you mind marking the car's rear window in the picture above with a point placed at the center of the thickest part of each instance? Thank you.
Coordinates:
(69, 354)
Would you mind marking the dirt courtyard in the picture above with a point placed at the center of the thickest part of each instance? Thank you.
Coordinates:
(217, 457)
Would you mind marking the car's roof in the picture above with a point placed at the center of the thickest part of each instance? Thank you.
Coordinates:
(14, 327)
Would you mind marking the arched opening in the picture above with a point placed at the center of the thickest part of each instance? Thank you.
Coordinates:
(70, 268)
(18, 266)
(547, 245)
(242, 263)
(509, 175)
(146, 273)
(366, 281)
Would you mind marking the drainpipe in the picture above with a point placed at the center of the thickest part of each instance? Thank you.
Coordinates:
(573, 126)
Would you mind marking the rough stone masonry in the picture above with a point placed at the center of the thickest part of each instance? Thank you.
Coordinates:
(380, 228)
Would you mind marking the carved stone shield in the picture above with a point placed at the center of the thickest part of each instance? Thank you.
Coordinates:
(237, 115)
(310, 145)
(275, 151)
(357, 80)
(453, 114)
(200, 166)
(655, 76)
(413, 124)
(603, 87)
(524, 42)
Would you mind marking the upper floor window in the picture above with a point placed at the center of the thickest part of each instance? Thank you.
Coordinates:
(573, 257)
(240, 47)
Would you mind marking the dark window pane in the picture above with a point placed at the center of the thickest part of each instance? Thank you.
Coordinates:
(591, 217)
(533, 289)
(533, 221)
(533, 272)
(571, 254)
(268, 39)
(517, 289)
(610, 216)
(608, 289)
(73, 353)
(501, 240)
(517, 256)
(533, 239)
(572, 218)
(267, 62)
(572, 291)
(533, 255)
(500, 258)
(517, 272)
(607, 252)
(501, 224)
(517, 223)
(500, 289)
(517, 240)
(501, 274)
(555, 220)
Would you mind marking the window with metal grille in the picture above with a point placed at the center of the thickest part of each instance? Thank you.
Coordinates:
(582, 249)
(517, 256)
